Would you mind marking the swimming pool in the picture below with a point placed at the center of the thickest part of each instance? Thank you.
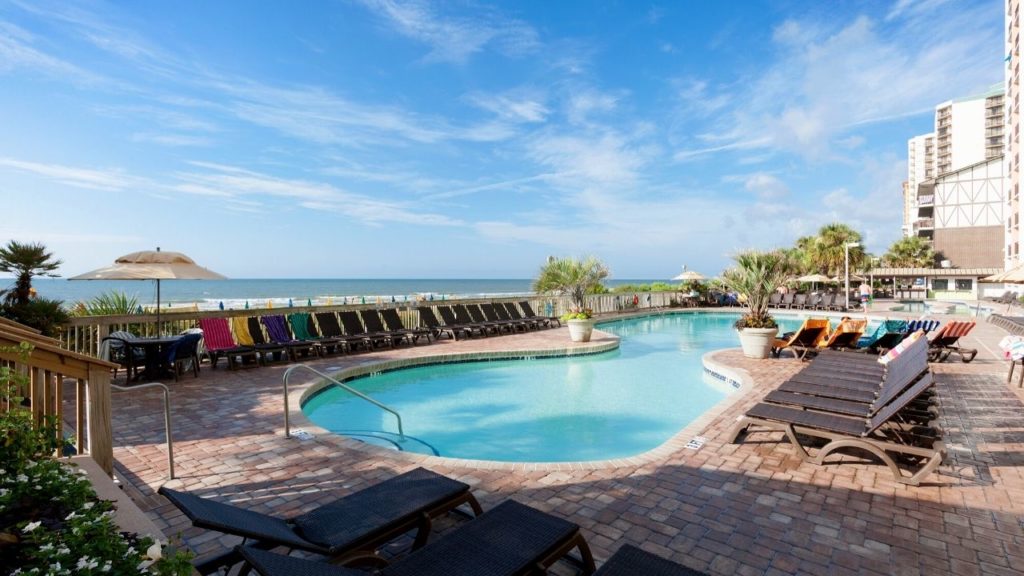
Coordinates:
(609, 405)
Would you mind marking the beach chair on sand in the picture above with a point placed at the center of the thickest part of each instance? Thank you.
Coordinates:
(219, 343)
(277, 330)
(529, 314)
(846, 335)
(805, 340)
(395, 325)
(946, 341)
(304, 328)
(879, 426)
(350, 528)
(509, 539)
(888, 334)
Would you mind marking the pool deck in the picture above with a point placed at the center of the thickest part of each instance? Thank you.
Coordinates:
(750, 508)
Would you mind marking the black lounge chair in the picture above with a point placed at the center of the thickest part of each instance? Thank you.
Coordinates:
(374, 327)
(514, 314)
(352, 527)
(879, 429)
(277, 330)
(474, 313)
(504, 314)
(529, 313)
(395, 324)
(491, 314)
(304, 328)
(775, 299)
(509, 540)
(787, 300)
(798, 301)
(267, 349)
(632, 561)
(331, 328)
(429, 319)
(451, 320)
(354, 327)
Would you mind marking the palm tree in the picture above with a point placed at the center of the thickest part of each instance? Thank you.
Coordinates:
(571, 277)
(25, 261)
(828, 252)
(910, 252)
(756, 276)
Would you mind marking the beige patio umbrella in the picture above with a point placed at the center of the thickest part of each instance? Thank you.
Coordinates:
(689, 275)
(814, 279)
(152, 265)
(1011, 276)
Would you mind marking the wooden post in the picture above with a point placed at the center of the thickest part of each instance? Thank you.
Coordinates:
(37, 394)
(80, 400)
(101, 441)
(102, 331)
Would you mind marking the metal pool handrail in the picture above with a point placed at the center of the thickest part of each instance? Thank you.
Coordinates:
(340, 384)
(167, 418)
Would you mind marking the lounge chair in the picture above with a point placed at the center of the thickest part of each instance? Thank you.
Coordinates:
(775, 299)
(473, 312)
(888, 334)
(249, 331)
(354, 327)
(395, 324)
(825, 302)
(924, 325)
(451, 321)
(219, 343)
(491, 314)
(183, 353)
(115, 349)
(846, 335)
(375, 328)
(787, 300)
(304, 328)
(632, 561)
(514, 314)
(878, 429)
(805, 340)
(529, 313)
(351, 527)
(510, 539)
(947, 341)
(504, 314)
(277, 329)
(330, 328)
(799, 301)
(429, 319)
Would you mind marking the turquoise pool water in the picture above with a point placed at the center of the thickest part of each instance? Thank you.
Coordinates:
(609, 405)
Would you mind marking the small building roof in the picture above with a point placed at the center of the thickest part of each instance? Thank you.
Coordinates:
(934, 272)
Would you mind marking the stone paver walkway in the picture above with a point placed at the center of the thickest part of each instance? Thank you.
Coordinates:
(749, 508)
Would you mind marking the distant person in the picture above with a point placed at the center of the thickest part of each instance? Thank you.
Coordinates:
(865, 294)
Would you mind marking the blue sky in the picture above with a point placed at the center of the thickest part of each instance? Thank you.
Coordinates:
(380, 138)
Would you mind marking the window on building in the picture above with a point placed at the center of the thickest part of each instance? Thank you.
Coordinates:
(940, 284)
(964, 284)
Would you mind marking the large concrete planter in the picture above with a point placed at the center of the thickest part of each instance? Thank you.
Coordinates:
(580, 330)
(757, 342)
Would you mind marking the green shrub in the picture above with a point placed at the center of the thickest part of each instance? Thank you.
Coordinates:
(113, 303)
(43, 314)
(51, 521)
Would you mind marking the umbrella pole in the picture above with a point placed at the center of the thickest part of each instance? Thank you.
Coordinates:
(157, 307)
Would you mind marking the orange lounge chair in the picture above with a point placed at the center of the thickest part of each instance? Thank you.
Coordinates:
(947, 341)
(807, 338)
(846, 335)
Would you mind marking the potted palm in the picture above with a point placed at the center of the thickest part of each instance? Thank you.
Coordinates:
(754, 278)
(574, 278)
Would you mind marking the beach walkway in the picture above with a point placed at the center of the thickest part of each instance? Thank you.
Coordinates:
(750, 508)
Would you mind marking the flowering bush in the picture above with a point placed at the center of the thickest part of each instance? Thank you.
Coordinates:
(51, 521)
(578, 314)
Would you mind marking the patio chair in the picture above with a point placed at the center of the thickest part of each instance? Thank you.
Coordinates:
(805, 340)
(349, 528)
(428, 318)
(450, 320)
(114, 349)
(219, 342)
(846, 335)
(330, 328)
(924, 325)
(504, 315)
(374, 327)
(491, 315)
(878, 430)
(787, 300)
(825, 302)
(249, 332)
(277, 330)
(183, 353)
(473, 312)
(304, 328)
(947, 341)
(529, 313)
(775, 299)
(510, 539)
(798, 301)
(632, 561)
(354, 327)
(395, 324)
(513, 313)
(888, 334)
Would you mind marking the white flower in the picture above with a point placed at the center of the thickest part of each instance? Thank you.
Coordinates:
(3, 492)
(88, 505)
(30, 464)
(21, 478)
(70, 516)
(155, 552)
(63, 550)
(31, 526)
(87, 563)
(46, 547)
(105, 567)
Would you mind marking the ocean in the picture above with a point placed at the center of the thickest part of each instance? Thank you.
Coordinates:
(234, 293)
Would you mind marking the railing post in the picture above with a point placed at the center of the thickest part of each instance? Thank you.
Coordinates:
(101, 441)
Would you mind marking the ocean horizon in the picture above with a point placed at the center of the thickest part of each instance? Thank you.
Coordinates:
(236, 292)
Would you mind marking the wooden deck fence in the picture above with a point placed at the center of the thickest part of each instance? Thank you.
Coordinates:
(49, 367)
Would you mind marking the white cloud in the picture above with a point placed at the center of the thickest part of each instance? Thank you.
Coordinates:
(581, 104)
(113, 179)
(456, 39)
(513, 107)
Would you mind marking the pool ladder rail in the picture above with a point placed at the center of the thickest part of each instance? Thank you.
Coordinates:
(339, 384)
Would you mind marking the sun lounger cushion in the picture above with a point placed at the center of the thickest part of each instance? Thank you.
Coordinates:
(632, 561)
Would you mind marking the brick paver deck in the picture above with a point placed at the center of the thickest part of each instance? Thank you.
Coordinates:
(749, 508)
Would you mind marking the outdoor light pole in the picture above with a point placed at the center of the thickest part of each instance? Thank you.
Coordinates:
(846, 251)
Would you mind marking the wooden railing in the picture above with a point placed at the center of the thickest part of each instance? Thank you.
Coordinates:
(84, 334)
(48, 367)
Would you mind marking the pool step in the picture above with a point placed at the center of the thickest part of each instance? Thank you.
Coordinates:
(391, 441)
